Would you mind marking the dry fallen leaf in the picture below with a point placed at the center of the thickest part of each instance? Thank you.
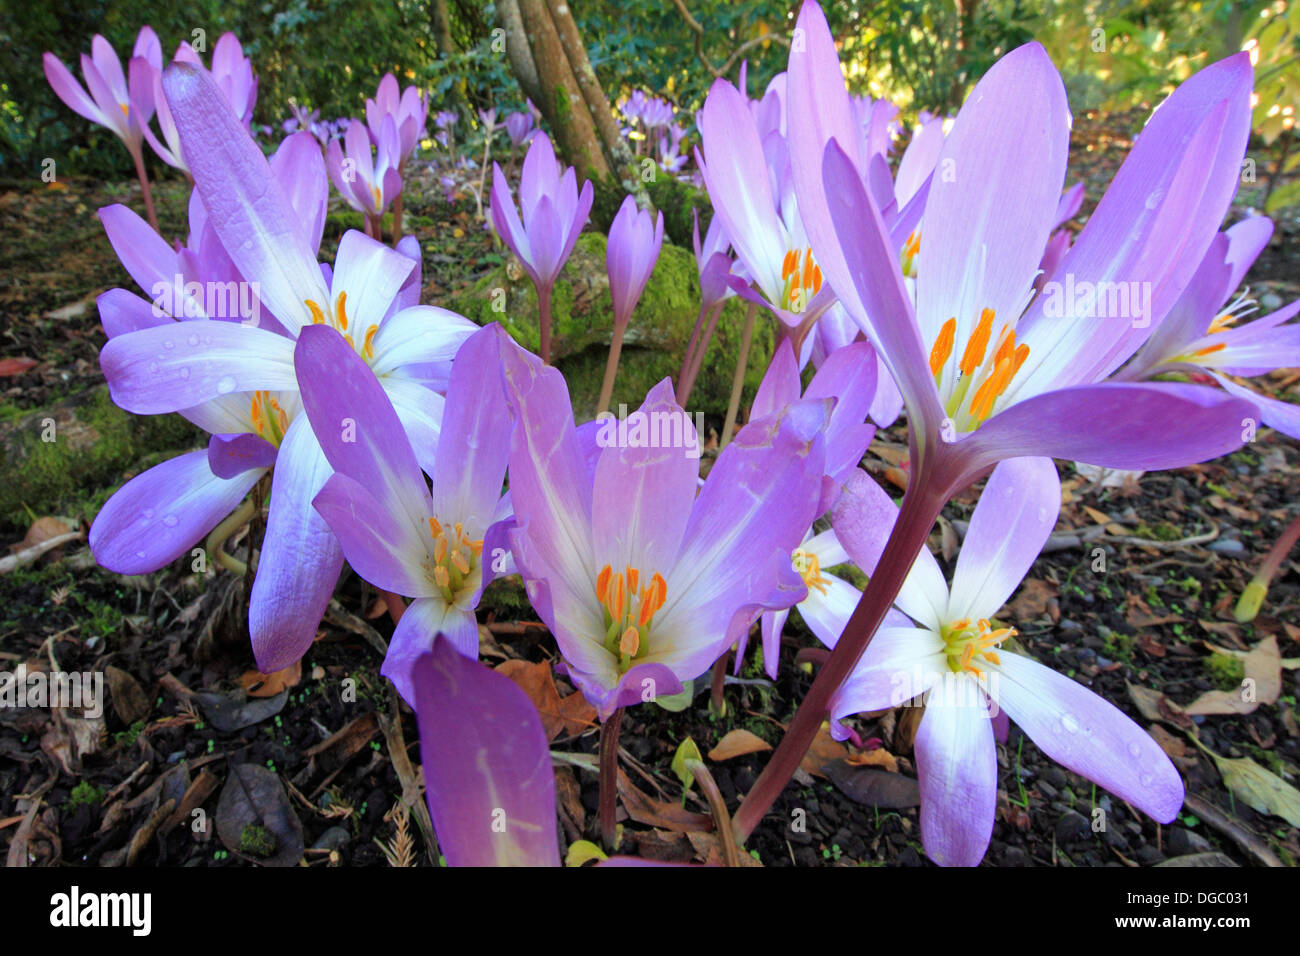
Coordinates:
(738, 743)
(823, 750)
(1263, 668)
(572, 714)
(880, 757)
(258, 684)
(1031, 600)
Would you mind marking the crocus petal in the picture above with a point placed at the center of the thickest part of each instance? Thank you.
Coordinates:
(413, 639)
(67, 88)
(1084, 733)
(1246, 240)
(900, 663)
(157, 516)
(230, 455)
(420, 411)
(873, 272)
(486, 763)
(300, 169)
(1136, 427)
(378, 543)
(174, 366)
(300, 560)
(474, 445)
(982, 243)
(957, 763)
(121, 312)
(780, 385)
(643, 493)
(1284, 416)
(245, 203)
(357, 427)
(420, 335)
(863, 518)
(146, 257)
(1152, 227)
(1016, 512)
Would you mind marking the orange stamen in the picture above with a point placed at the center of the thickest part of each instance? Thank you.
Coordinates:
(942, 348)
(317, 314)
(973, 357)
(340, 316)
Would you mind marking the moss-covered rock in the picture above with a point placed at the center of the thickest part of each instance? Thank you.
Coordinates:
(582, 326)
(675, 199)
(63, 459)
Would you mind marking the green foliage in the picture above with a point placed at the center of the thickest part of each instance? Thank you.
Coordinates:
(257, 841)
(84, 794)
(1225, 670)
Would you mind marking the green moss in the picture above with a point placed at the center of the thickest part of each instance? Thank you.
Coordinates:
(84, 794)
(676, 199)
(656, 339)
(257, 841)
(1119, 646)
(1225, 670)
(95, 447)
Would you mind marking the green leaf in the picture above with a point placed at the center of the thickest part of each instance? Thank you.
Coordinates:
(676, 703)
(1288, 195)
(1263, 791)
(687, 751)
(583, 851)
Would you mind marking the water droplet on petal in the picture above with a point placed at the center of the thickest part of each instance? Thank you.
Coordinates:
(226, 385)
(1134, 749)
(147, 514)
(1070, 724)
(194, 340)
(153, 366)
(1147, 779)
(169, 344)
(185, 372)
(171, 521)
(1154, 199)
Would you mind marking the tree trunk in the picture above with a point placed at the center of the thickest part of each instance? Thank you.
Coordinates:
(517, 49)
(618, 155)
(561, 100)
(442, 29)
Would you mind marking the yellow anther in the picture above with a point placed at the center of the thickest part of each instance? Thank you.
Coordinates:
(942, 347)
(368, 343)
(435, 527)
(441, 577)
(317, 313)
(630, 642)
(340, 314)
(973, 357)
(459, 561)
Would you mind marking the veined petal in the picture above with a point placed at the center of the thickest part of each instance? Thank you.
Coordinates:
(474, 445)
(419, 335)
(1284, 416)
(230, 455)
(67, 88)
(1088, 735)
(413, 639)
(1246, 240)
(381, 546)
(245, 204)
(985, 227)
(957, 763)
(299, 167)
(1137, 427)
(300, 560)
(121, 312)
(485, 760)
(900, 663)
(370, 273)
(159, 515)
(419, 409)
(863, 518)
(644, 491)
(175, 366)
(1016, 512)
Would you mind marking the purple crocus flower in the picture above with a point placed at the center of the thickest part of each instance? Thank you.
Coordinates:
(123, 108)
(519, 127)
(367, 297)
(1002, 380)
(644, 583)
(1200, 333)
(554, 212)
(409, 110)
(953, 657)
(848, 377)
(630, 256)
(634, 243)
(442, 548)
(233, 73)
(160, 514)
(367, 183)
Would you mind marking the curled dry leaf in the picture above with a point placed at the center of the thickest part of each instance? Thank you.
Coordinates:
(737, 743)
(1263, 680)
